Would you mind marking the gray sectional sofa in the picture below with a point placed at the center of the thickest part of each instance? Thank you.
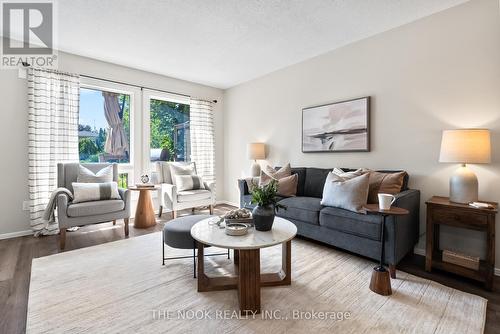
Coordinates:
(356, 232)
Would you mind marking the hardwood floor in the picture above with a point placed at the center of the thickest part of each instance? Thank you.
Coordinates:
(16, 255)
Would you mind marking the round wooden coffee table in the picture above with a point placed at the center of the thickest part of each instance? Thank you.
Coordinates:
(144, 212)
(248, 279)
(381, 281)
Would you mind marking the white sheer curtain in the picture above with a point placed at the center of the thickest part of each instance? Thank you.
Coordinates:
(53, 101)
(202, 133)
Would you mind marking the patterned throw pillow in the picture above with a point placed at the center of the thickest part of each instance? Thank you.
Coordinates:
(349, 194)
(189, 182)
(87, 192)
(85, 175)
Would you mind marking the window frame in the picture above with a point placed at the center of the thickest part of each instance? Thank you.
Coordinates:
(147, 95)
(101, 85)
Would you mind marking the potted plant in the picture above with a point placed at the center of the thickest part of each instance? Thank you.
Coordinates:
(167, 149)
(267, 205)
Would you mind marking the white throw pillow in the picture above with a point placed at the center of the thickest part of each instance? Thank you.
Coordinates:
(350, 194)
(87, 192)
(189, 182)
(85, 175)
(178, 169)
(349, 175)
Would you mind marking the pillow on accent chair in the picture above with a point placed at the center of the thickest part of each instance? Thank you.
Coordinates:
(350, 194)
(188, 182)
(85, 175)
(287, 185)
(387, 183)
(87, 192)
(178, 169)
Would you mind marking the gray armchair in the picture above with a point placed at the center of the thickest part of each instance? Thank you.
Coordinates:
(87, 213)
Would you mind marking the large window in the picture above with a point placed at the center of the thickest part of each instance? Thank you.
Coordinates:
(104, 126)
(169, 130)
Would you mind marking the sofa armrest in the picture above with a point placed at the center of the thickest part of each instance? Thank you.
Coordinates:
(404, 230)
(62, 209)
(168, 195)
(125, 194)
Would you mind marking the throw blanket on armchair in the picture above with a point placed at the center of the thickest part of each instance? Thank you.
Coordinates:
(49, 216)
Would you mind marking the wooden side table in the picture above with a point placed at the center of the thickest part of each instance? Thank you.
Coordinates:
(381, 282)
(440, 211)
(144, 213)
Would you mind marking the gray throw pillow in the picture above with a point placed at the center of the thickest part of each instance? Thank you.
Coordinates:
(87, 192)
(350, 194)
(85, 175)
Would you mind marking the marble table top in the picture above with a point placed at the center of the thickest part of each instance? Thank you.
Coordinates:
(211, 234)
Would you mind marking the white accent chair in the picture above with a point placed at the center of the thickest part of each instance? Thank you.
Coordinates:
(174, 200)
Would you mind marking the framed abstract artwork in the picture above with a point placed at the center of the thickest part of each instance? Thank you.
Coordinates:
(337, 127)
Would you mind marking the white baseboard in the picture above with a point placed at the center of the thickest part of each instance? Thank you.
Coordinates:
(15, 234)
(228, 203)
(421, 251)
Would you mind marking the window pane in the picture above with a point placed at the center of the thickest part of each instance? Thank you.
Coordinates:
(93, 127)
(169, 124)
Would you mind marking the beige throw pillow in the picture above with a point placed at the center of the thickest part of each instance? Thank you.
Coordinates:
(350, 194)
(287, 186)
(387, 183)
(280, 173)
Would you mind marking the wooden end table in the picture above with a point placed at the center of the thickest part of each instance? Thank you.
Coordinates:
(248, 279)
(381, 281)
(144, 213)
(440, 211)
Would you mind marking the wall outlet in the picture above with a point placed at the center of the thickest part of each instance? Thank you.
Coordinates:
(26, 205)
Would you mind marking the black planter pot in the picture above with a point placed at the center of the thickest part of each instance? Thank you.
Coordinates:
(263, 217)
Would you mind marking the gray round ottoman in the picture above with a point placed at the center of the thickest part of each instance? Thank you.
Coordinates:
(177, 234)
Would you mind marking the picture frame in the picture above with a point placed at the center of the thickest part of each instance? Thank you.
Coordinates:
(342, 126)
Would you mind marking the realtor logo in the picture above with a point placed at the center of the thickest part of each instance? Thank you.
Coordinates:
(28, 33)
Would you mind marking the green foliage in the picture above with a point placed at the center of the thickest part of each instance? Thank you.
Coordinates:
(87, 146)
(82, 127)
(266, 195)
(164, 116)
(168, 144)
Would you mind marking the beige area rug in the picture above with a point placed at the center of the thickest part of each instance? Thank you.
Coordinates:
(121, 287)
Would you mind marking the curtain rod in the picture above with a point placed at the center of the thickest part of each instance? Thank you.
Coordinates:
(127, 84)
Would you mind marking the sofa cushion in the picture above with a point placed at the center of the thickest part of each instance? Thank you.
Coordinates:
(305, 209)
(362, 225)
(193, 195)
(301, 173)
(95, 208)
(315, 181)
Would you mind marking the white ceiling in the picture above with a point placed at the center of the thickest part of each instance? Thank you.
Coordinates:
(222, 43)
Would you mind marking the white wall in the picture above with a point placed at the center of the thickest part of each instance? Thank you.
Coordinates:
(14, 123)
(437, 73)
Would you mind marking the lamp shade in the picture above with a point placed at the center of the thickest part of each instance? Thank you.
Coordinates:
(466, 146)
(256, 151)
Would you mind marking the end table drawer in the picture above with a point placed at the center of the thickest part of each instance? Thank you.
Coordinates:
(466, 218)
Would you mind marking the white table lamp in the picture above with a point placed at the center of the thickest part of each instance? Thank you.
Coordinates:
(465, 146)
(256, 151)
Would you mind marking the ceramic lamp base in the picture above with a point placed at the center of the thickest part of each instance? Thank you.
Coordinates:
(463, 186)
(255, 169)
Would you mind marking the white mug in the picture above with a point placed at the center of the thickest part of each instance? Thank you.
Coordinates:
(385, 201)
